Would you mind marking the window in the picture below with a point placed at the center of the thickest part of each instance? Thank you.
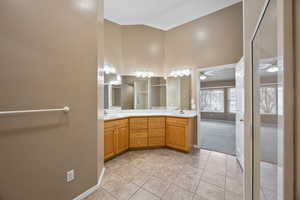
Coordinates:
(268, 104)
(231, 95)
(212, 100)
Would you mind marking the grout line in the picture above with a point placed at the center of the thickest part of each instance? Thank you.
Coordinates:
(134, 193)
(203, 170)
(152, 193)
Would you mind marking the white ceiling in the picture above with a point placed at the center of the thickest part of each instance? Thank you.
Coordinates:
(161, 14)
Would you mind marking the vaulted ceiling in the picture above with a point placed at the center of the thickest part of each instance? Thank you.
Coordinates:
(161, 14)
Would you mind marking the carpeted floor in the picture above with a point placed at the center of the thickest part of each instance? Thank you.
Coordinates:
(219, 136)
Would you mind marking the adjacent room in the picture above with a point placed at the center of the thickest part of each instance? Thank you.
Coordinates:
(218, 107)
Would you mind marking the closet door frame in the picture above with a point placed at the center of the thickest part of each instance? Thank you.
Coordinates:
(285, 49)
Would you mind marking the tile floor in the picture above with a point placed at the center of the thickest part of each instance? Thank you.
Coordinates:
(164, 174)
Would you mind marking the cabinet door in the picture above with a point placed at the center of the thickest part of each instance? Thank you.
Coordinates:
(109, 143)
(139, 138)
(157, 137)
(176, 137)
(122, 139)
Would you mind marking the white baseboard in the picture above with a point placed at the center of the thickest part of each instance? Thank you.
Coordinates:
(197, 146)
(92, 189)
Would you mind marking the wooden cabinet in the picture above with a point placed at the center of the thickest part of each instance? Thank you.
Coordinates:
(116, 137)
(141, 132)
(179, 133)
(157, 129)
(138, 132)
(122, 139)
(176, 136)
(109, 143)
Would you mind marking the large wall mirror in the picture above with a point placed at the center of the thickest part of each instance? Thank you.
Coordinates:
(131, 92)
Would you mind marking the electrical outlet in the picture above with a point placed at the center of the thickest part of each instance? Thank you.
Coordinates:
(70, 175)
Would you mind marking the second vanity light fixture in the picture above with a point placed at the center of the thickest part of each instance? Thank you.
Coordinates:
(180, 73)
(144, 74)
(109, 70)
(117, 81)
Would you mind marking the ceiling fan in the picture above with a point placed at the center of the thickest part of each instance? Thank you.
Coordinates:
(269, 65)
(205, 75)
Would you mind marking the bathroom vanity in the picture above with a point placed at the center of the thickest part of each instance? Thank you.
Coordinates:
(139, 130)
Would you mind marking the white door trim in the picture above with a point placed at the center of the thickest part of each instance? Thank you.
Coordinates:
(285, 50)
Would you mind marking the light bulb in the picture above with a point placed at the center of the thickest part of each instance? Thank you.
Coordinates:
(273, 69)
(203, 77)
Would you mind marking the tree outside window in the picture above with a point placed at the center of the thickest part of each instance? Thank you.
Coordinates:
(268, 104)
(231, 95)
(212, 100)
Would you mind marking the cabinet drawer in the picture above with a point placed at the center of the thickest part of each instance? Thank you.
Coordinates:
(157, 122)
(109, 124)
(139, 123)
(157, 132)
(156, 141)
(122, 123)
(139, 142)
(177, 121)
(139, 133)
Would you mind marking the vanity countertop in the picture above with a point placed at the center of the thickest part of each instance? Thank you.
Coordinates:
(146, 113)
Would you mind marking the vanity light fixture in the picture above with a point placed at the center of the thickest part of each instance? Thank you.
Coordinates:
(109, 70)
(117, 81)
(180, 73)
(144, 74)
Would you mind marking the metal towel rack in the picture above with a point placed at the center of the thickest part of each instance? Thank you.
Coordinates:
(64, 109)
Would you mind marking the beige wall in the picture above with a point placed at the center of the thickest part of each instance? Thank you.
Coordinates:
(143, 49)
(113, 44)
(297, 100)
(216, 39)
(134, 48)
(48, 59)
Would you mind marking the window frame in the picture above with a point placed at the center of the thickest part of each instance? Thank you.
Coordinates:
(228, 100)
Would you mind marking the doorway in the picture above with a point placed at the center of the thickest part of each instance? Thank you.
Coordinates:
(217, 100)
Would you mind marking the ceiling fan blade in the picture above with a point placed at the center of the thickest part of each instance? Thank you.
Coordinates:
(209, 73)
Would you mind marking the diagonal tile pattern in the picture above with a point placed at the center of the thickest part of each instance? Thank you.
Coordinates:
(165, 174)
